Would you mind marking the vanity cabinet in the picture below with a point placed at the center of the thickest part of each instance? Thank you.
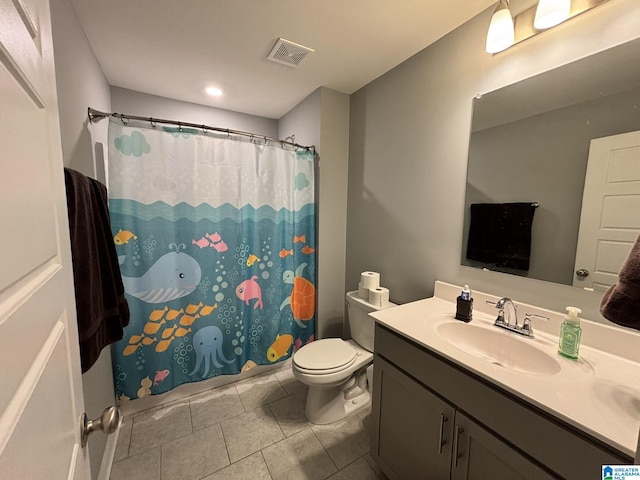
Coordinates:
(435, 420)
(414, 427)
(419, 435)
(478, 454)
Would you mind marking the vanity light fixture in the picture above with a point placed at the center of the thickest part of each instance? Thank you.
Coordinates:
(501, 33)
(550, 13)
(507, 29)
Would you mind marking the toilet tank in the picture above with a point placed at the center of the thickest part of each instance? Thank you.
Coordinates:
(361, 324)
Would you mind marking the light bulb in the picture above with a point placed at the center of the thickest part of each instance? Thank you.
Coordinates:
(501, 33)
(551, 12)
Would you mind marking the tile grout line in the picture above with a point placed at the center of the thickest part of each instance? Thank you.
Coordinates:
(129, 442)
(226, 449)
(266, 464)
(324, 448)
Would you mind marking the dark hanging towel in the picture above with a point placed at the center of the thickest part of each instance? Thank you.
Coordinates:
(500, 234)
(101, 307)
(621, 303)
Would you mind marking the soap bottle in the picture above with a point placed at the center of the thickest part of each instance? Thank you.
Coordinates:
(570, 333)
(464, 305)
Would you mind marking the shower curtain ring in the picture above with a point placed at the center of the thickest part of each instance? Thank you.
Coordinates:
(153, 124)
(122, 119)
(204, 129)
(180, 127)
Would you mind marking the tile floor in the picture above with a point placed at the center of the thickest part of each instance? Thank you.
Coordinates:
(254, 429)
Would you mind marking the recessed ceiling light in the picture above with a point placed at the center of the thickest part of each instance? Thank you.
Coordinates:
(213, 91)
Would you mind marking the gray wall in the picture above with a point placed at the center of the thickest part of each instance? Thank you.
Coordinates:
(408, 155)
(303, 121)
(145, 105)
(322, 119)
(81, 84)
(332, 215)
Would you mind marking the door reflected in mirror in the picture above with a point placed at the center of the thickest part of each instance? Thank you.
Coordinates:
(537, 141)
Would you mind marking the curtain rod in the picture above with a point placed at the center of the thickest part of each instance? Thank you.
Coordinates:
(96, 115)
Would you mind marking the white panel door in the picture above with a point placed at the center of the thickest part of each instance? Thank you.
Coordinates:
(610, 218)
(40, 382)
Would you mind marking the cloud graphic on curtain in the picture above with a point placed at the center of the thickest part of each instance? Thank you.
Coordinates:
(134, 144)
(301, 181)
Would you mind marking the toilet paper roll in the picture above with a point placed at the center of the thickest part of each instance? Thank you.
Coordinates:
(379, 296)
(370, 280)
(363, 292)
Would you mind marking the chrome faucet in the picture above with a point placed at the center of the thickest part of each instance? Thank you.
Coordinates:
(508, 317)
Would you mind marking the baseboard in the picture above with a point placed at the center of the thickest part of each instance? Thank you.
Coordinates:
(133, 407)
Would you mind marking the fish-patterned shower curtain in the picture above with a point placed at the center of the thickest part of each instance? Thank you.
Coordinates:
(215, 237)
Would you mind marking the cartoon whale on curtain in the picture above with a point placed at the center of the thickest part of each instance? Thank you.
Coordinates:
(174, 275)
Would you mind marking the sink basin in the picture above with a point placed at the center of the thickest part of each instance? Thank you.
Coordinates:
(499, 347)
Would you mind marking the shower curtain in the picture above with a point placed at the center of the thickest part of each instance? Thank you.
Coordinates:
(215, 236)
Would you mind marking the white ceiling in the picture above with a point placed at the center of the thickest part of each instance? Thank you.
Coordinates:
(175, 48)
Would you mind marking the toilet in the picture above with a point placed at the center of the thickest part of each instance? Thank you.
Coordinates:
(338, 372)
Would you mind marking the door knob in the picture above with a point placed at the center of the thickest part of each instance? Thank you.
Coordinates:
(582, 272)
(107, 422)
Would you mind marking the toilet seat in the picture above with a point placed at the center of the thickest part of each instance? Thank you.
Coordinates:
(322, 357)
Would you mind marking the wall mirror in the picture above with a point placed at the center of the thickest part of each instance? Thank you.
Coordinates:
(531, 143)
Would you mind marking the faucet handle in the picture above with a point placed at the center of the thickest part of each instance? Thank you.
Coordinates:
(526, 324)
(527, 316)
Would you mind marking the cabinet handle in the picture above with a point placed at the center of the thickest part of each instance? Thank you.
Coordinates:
(456, 444)
(441, 440)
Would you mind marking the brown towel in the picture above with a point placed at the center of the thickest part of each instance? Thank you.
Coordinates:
(621, 303)
(102, 309)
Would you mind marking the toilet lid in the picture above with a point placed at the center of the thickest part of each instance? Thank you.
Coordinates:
(325, 354)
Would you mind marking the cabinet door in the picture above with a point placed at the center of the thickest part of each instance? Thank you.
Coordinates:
(412, 427)
(478, 455)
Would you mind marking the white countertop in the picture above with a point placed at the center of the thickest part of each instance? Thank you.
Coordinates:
(599, 393)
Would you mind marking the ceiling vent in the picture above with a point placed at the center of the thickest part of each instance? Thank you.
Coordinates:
(288, 53)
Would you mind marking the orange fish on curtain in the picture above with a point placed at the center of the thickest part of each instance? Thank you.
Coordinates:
(280, 347)
(123, 237)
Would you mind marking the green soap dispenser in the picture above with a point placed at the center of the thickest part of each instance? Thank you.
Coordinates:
(570, 333)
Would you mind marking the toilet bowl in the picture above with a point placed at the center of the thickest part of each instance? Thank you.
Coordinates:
(338, 372)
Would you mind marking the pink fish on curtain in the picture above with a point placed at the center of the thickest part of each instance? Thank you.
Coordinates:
(220, 246)
(203, 242)
(160, 376)
(248, 290)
